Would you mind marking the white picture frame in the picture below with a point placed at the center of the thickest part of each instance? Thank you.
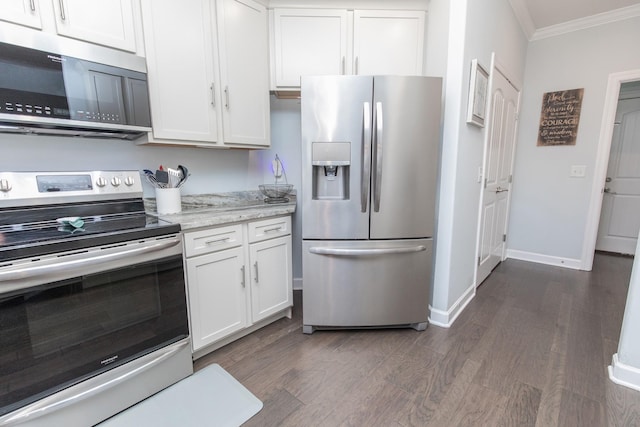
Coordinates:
(478, 84)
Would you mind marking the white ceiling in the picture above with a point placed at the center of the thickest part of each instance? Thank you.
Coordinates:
(540, 18)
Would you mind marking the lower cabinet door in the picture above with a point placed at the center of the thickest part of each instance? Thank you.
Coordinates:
(217, 296)
(271, 277)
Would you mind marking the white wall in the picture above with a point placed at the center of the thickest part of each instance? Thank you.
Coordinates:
(549, 209)
(625, 364)
(286, 142)
(476, 29)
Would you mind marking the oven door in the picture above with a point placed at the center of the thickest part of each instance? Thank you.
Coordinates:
(68, 317)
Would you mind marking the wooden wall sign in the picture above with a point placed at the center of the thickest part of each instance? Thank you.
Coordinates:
(560, 117)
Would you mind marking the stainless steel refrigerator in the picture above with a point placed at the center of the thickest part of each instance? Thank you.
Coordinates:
(369, 172)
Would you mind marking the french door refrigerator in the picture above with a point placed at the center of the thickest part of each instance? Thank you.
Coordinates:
(369, 172)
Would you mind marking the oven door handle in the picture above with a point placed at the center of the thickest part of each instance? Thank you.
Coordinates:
(81, 263)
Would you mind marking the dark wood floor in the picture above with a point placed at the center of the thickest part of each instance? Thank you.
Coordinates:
(532, 348)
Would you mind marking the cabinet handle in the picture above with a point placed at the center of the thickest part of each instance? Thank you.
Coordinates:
(213, 94)
(270, 230)
(226, 96)
(62, 15)
(343, 63)
(32, 4)
(256, 267)
(356, 73)
(243, 283)
(210, 242)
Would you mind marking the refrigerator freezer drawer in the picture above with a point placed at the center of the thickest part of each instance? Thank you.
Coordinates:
(366, 283)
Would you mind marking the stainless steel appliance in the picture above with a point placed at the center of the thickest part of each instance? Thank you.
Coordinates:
(369, 161)
(48, 93)
(93, 314)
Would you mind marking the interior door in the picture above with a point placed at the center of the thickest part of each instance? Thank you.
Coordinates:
(498, 167)
(620, 215)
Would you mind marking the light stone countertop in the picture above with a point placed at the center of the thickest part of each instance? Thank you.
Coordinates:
(206, 210)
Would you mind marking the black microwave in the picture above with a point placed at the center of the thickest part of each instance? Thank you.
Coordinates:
(52, 94)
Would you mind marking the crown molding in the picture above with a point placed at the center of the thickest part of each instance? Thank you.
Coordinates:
(587, 22)
(524, 17)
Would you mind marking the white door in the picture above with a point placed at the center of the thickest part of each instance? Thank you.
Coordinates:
(498, 167)
(620, 216)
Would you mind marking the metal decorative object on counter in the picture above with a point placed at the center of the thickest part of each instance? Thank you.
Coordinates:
(278, 191)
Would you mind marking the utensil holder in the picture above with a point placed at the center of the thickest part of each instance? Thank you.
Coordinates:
(168, 200)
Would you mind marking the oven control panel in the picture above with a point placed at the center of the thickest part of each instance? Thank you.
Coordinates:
(32, 188)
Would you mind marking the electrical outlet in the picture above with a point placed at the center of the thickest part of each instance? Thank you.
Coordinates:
(578, 171)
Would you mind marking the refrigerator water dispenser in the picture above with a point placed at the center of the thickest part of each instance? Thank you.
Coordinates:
(331, 162)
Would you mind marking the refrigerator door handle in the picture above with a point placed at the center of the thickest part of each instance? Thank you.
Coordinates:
(366, 157)
(378, 162)
(364, 252)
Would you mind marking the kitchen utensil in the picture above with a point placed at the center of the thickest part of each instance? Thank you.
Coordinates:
(185, 175)
(175, 176)
(151, 178)
(162, 176)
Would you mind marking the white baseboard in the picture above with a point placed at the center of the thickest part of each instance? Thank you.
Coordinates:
(574, 264)
(625, 375)
(445, 319)
(297, 283)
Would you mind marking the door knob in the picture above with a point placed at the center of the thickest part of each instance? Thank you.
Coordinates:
(608, 179)
(608, 190)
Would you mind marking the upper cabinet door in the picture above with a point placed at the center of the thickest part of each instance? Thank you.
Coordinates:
(180, 69)
(388, 42)
(23, 12)
(108, 23)
(244, 72)
(309, 42)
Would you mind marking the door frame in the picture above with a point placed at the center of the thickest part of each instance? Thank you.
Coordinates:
(602, 160)
(496, 66)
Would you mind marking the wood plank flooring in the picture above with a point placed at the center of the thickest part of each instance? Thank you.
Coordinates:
(531, 349)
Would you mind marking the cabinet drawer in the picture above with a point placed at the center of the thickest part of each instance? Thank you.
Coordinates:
(269, 228)
(212, 240)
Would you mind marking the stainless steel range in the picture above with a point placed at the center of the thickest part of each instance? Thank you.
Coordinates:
(93, 314)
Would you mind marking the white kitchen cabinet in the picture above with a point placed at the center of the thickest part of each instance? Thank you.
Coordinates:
(217, 296)
(216, 283)
(181, 69)
(108, 23)
(308, 42)
(388, 42)
(335, 41)
(23, 12)
(239, 279)
(271, 270)
(208, 74)
(244, 72)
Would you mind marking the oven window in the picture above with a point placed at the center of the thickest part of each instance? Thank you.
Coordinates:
(61, 333)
